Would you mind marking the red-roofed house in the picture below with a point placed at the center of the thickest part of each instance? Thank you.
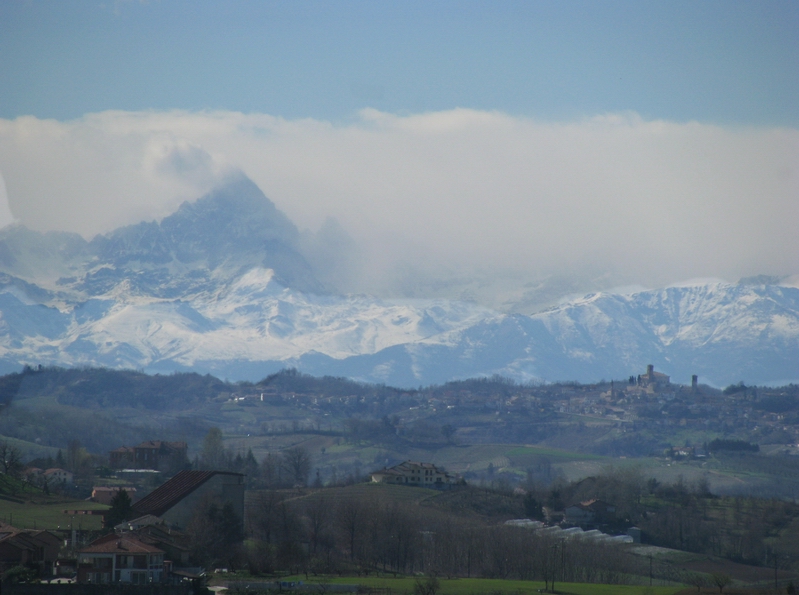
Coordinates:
(121, 457)
(120, 559)
(58, 476)
(176, 500)
(590, 512)
(154, 531)
(151, 454)
(36, 549)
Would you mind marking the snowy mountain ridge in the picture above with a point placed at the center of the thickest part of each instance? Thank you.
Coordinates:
(221, 286)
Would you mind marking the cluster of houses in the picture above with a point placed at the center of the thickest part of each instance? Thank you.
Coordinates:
(151, 455)
(647, 401)
(152, 548)
(50, 477)
(156, 455)
(29, 548)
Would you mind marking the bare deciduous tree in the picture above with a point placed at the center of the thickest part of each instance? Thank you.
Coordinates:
(721, 580)
(297, 461)
(10, 459)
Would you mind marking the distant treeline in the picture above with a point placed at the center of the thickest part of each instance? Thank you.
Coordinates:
(104, 388)
(720, 444)
(101, 388)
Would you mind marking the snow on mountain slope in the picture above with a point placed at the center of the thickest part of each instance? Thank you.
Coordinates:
(724, 333)
(254, 325)
(253, 319)
(221, 286)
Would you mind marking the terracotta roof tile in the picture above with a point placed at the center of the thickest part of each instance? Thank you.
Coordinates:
(114, 544)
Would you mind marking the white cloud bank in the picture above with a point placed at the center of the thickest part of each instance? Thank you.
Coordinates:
(6, 218)
(654, 200)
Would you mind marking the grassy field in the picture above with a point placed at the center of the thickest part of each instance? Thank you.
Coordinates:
(383, 492)
(328, 451)
(525, 455)
(30, 450)
(476, 586)
(50, 515)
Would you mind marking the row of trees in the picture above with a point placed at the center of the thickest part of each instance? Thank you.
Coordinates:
(353, 530)
(288, 468)
(681, 515)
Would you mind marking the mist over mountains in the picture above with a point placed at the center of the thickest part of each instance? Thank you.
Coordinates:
(228, 285)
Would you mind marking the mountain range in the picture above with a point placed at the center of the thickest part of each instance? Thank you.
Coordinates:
(229, 286)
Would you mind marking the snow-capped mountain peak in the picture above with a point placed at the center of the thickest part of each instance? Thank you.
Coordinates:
(221, 286)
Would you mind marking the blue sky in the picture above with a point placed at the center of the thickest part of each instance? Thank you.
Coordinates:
(723, 62)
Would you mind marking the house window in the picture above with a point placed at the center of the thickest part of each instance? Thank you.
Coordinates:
(102, 562)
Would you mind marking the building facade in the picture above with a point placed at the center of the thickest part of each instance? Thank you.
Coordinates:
(30, 548)
(151, 454)
(590, 513)
(415, 474)
(120, 559)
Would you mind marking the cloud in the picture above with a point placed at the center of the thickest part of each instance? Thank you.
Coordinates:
(6, 218)
(652, 201)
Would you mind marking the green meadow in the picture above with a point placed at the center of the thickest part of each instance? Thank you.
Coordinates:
(50, 515)
(477, 586)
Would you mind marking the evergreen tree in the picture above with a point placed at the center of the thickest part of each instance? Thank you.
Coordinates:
(533, 508)
(251, 468)
(121, 509)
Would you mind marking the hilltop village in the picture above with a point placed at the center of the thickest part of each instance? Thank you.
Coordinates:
(486, 410)
(642, 415)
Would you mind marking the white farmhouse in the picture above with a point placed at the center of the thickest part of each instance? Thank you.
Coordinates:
(414, 473)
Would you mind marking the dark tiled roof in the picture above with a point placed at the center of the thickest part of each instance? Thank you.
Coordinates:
(402, 469)
(28, 539)
(173, 491)
(162, 444)
(391, 471)
(142, 521)
(409, 463)
(120, 545)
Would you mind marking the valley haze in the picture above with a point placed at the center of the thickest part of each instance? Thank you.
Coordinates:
(460, 203)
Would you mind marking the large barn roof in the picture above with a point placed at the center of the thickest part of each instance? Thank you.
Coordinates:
(173, 491)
